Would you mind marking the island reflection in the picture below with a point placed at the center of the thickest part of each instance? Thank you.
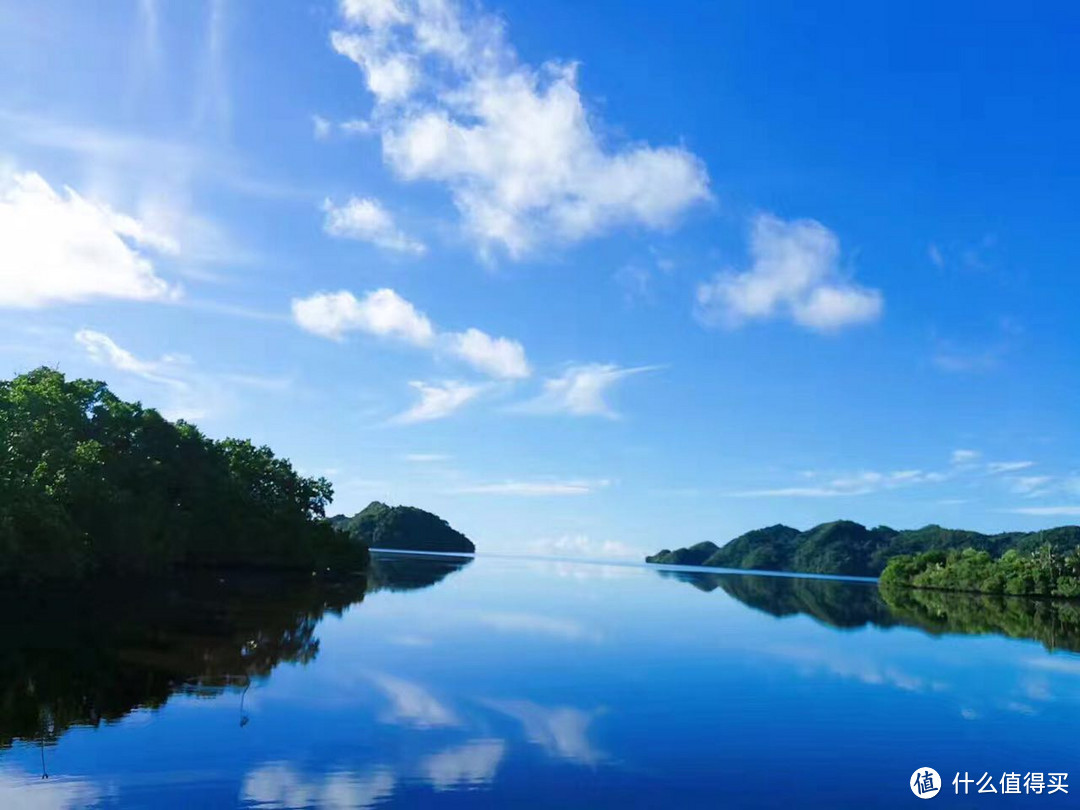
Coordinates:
(845, 605)
(93, 654)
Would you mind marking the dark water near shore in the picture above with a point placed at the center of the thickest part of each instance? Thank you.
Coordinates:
(517, 683)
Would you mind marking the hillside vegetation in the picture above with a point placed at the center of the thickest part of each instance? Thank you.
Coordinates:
(845, 547)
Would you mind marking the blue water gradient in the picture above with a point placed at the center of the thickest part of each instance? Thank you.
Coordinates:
(524, 683)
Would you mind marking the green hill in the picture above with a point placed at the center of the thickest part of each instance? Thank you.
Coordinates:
(402, 527)
(845, 547)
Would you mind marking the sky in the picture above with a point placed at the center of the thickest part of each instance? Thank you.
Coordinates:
(584, 279)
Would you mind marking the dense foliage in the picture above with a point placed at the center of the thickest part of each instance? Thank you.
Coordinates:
(1041, 573)
(92, 484)
(845, 547)
(402, 527)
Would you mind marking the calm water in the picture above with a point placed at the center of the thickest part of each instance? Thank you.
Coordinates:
(514, 683)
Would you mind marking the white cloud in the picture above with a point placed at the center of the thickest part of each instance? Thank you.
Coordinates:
(426, 458)
(862, 483)
(795, 274)
(1008, 466)
(471, 764)
(580, 391)
(498, 357)
(365, 219)
(61, 248)
(383, 313)
(279, 786)
(438, 400)
(535, 488)
(965, 456)
(514, 145)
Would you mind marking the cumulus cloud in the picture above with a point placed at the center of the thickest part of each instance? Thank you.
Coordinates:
(498, 357)
(365, 219)
(384, 313)
(438, 400)
(61, 248)
(794, 274)
(581, 390)
(515, 145)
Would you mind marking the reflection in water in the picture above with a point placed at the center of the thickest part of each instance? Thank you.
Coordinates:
(91, 656)
(279, 786)
(411, 572)
(562, 731)
(469, 765)
(83, 657)
(844, 604)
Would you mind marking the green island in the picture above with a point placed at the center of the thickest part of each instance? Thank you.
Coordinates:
(402, 528)
(847, 548)
(92, 487)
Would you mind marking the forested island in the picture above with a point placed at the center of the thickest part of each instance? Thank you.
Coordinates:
(92, 486)
(848, 548)
(1044, 572)
(403, 528)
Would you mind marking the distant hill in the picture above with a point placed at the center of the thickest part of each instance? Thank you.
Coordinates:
(845, 547)
(404, 528)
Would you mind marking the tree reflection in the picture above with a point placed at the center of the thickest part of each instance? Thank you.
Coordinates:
(91, 655)
(847, 605)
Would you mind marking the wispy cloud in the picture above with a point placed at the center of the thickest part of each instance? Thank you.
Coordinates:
(411, 704)
(1047, 511)
(438, 400)
(535, 488)
(561, 731)
(862, 483)
(187, 392)
(581, 391)
(470, 765)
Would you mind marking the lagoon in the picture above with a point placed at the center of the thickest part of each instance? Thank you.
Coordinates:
(502, 682)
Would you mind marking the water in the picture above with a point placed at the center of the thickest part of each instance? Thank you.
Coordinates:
(516, 683)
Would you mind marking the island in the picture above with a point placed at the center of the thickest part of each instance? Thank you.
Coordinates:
(1044, 572)
(402, 528)
(847, 548)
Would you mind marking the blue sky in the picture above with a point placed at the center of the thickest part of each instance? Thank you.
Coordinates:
(582, 278)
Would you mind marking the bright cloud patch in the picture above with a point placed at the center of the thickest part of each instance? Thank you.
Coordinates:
(365, 219)
(497, 357)
(794, 274)
(384, 313)
(514, 144)
(535, 488)
(61, 248)
(439, 400)
(581, 390)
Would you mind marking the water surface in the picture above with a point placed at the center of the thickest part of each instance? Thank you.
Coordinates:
(517, 683)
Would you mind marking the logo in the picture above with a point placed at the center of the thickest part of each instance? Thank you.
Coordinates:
(925, 783)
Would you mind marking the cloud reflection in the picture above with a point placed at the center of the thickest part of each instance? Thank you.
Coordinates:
(474, 763)
(278, 786)
(413, 705)
(562, 731)
(24, 790)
